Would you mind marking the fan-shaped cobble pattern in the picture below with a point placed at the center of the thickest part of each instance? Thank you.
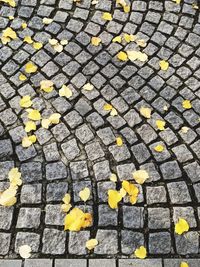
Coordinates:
(81, 150)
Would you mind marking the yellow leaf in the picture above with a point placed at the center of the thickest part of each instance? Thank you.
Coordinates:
(30, 126)
(184, 264)
(10, 2)
(145, 112)
(37, 45)
(25, 101)
(45, 123)
(88, 87)
(107, 107)
(186, 104)
(113, 112)
(24, 25)
(47, 21)
(160, 125)
(140, 176)
(10, 33)
(34, 115)
(66, 207)
(127, 9)
(107, 16)
(32, 138)
(132, 191)
(22, 77)
(122, 192)
(141, 252)
(11, 17)
(14, 177)
(142, 56)
(53, 41)
(141, 42)
(91, 244)
(77, 219)
(117, 39)
(67, 198)
(184, 129)
(195, 6)
(25, 251)
(55, 118)
(58, 48)
(46, 86)
(95, 41)
(8, 197)
(181, 226)
(28, 140)
(119, 141)
(65, 91)
(113, 177)
(84, 194)
(164, 65)
(64, 42)
(28, 39)
(30, 67)
(159, 148)
(129, 37)
(177, 1)
(114, 197)
(122, 56)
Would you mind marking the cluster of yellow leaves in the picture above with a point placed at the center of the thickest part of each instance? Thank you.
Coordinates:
(124, 5)
(132, 55)
(25, 251)
(95, 41)
(36, 45)
(46, 86)
(65, 91)
(66, 206)
(109, 107)
(28, 140)
(9, 2)
(8, 197)
(131, 190)
(7, 35)
(181, 226)
(58, 46)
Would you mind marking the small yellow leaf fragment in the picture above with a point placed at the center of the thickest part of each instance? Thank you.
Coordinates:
(58, 48)
(140, 176)
(14, 177)
(113, 112)
(84, 194)
(88, 87)
(25, 251)
(164, 65)
(53, 41)
(77, 219)
(34, 115)
(30, 126)
(22, 77)
(184, 129)
(11, 17)
(64, 42)
(122, 56)
(177, 1)
(122, 192)
(10, 33)
(7, 197)
(107, 107)
(129, 37)
(28, 140)
(160, 125)
(91, 244)
(186, 104)
(55, 118)
(195, 6)
(114, 197)
(113, 177)
(107, 16)
(45, 123)
(141, 42)
(159, 148)
(95, 41)
(10, 2)
(127, 8)
(66, 207)
(119, 141)
(65, 91)
(28, 39)
(181, 226)
(37, 45)
(184, 264)
(30, 67)
(25, 101)
(24, 25)
(46, 86)
(67, 198)
(137, 55)
(47, 21)
(141, 252)
(145, 112)
(117, 39)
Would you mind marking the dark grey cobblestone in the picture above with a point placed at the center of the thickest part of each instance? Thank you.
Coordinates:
(81, 150)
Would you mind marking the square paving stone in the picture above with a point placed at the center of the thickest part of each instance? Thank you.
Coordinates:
(139, 263)
(56, 170)
(80, 185)
(53, 241)
(102, 170)
(131, 241)
(5, 243)
(177, 262)
(27, 238)
(38, 263)
(94, 151)
(170, 170)
(187, 243)
(31, 194)
(70, 149)
(54, 215)
(156, 194)
(79, 169)
(158, 218)
(102, 188)
(29, 218)
(133, 217)
(120, 153)
(70, 262)
(5, 167)
(102, 262)
(159, 243)
(56, 191)
(107, 216)
(178, 193)
(10, 263)
(107, 242)
(6, 215)
(31, 171)
(184, 212)
(77, 242)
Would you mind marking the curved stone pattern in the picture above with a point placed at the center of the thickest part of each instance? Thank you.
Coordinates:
(81, 151)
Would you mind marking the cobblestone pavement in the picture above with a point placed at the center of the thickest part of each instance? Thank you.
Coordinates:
(81, 150)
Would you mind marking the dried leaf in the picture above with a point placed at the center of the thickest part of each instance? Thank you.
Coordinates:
(55, 118)
(67, 198)
(8, 197)
(145, 112)
(47, 21)
(25, 251)
(107, 107)
(58, 48)
(65, 91)
(25, 101)
(186, 104)
(114, 197)
(164, 65)
(10, 2)
(160, 125)
(113, 177)
(24, 25)
(30, 126)
(14, 177)
(37, 45)
(122, 56)
(28, 40)
(66, 207)
(45, 123)
(34, 114)
(107, 16)
(113, 112)
(53, 42)
(88, 87)
(117, 39)
(184, 264)
(159, 148)
(141, 252)
(119, 141)
(46, 86)
(184, 129)
(28, 140)
(95, 41)
(91, 244)
(129, 37)
(22, 77)
(181, 226)
(140, 176)
(84, 194)
(30, 67)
